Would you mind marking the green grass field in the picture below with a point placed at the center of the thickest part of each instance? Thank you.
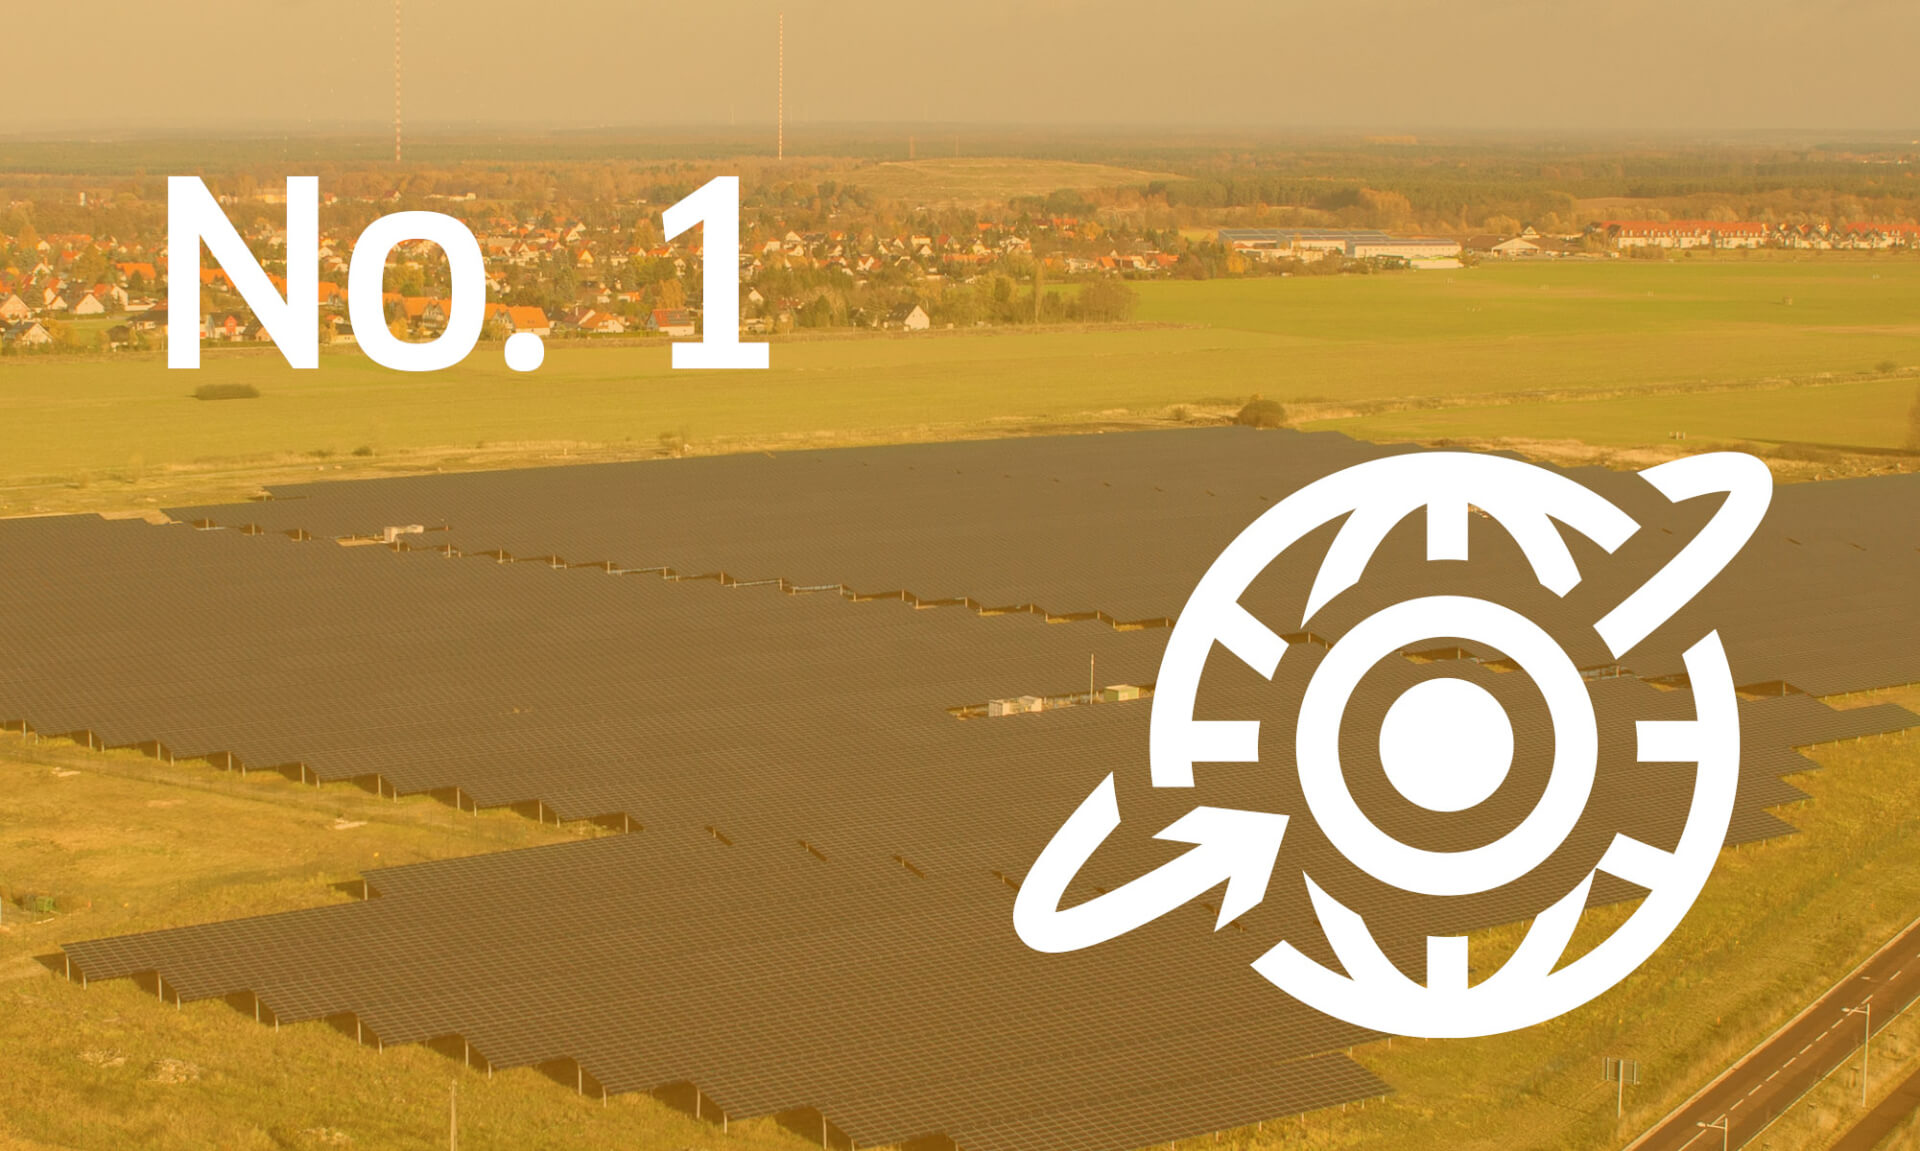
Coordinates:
(1537, 335)
(1488, 351)
(1851, 415)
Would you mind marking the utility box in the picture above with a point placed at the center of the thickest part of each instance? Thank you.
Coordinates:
(1118, 692)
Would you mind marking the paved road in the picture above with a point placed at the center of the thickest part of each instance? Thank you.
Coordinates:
(1770, 1078)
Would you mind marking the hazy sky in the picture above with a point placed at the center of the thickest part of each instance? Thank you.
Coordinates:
(1639, 65)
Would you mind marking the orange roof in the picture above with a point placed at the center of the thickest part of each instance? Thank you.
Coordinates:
(413, 307)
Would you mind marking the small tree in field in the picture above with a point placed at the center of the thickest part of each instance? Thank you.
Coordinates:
(1913, 422)
(1106, 301)
(1260, 412)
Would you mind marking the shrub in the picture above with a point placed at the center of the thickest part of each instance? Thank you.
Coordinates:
(1107, 301)
(1262, 413)
(226, 392)
(1886, 367)
(363, 450)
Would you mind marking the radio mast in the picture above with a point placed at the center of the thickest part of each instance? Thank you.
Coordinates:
(780, 88)
(396, 81)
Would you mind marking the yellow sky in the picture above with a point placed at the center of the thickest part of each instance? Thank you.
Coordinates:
(1639, 65)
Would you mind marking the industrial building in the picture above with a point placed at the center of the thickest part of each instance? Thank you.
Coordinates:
(1354, 244)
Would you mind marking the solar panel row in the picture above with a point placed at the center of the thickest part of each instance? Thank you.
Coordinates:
(1059, 523)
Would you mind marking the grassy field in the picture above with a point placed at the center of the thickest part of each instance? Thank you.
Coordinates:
(1853, 415)
(115, 428)
(1723, 349)
(1707, 347)
(985, 180)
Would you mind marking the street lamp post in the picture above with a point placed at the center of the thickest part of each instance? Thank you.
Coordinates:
(1721, 1125)
(1865, 1011)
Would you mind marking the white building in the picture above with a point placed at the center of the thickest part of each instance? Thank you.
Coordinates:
(27, 335)
(909, 319)
(1418, 252)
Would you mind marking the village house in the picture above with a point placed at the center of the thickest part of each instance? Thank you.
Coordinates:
(426, 314)
(520, 318)
(908, 318)
(595, 322)
(1862, 234)
(226, 328)
(526, 318)
(84, 304)
(30, 334)
(677, 322)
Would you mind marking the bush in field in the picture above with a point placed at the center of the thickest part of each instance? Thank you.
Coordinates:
(1262, 413)
(226, 392)
(1107, 301)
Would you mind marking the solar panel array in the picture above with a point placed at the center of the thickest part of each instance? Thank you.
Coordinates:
(817, 912)
(593, 694)
(1059, 522)
(1064, 524)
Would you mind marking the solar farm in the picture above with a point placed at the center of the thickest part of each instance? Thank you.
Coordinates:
(768, 680)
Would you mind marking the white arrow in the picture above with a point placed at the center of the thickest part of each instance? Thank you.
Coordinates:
(1237, 848)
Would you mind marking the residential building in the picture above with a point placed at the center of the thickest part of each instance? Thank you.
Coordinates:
(676, 322)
